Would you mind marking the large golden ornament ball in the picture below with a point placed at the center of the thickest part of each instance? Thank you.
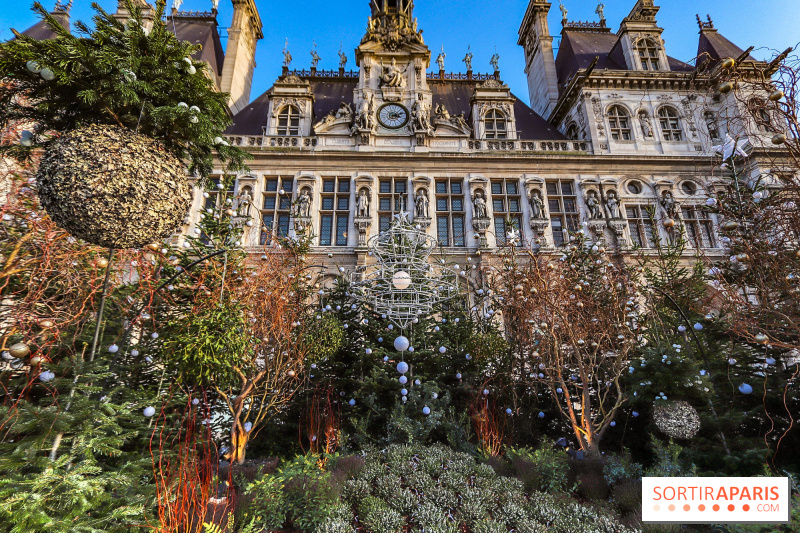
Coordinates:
(113, 187)
(728, 62)
(761, 338)
(19, 350)
(725, 87)
(668, 223)
(778, 138)
(776, 96)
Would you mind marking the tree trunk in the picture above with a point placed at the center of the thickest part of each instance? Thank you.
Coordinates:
(239, 439)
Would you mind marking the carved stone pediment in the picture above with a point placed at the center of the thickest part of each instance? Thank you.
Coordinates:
(331, 124)
(453, 126)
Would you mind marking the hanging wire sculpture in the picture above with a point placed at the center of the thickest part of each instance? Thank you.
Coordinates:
(403, 285)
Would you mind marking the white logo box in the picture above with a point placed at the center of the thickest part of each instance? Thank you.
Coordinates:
(716, 500)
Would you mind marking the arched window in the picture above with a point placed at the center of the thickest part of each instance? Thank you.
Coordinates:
(495, 125)
(648, 54)
(572, 132)
(670, 124)
(619, 123)
(289, 121)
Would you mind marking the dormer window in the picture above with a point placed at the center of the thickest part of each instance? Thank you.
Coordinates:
(619, 123)
(495, 125)
(648, 54)
(670, 124)
(289, 122)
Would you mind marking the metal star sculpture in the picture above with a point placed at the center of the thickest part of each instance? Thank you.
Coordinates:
(404, 247)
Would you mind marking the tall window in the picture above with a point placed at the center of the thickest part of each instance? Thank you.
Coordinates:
(289, 121)
(640, 222)
(276, 208)
(670, 124)
(506, 205)
(450, 212)
(495, 124)
(619, 123)
(392, 198)
(334, 216)
(648, 54)
(699, 228)
(563, 204)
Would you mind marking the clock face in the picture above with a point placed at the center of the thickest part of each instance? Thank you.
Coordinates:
(393, 116)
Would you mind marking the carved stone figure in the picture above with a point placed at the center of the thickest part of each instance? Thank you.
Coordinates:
(345, 111)
(593, 204)
(392, 76)
(537, 205)
(479, 206)
(647, 124)
(601, 11)
(400, 203)
(243, 202)
(366, 113)
(314, 58)
(468, 59)
(362, 206)
(287, 57)
(420, 115)
(440, 59)
(304, 204)
(323, 124)
(612, 203)
(421, 204)
(564, 12)
(460, 121)
(442, 112)
(669, 205)
(342, 59)
(495, 62)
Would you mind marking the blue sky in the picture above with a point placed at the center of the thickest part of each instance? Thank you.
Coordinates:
(481, 24)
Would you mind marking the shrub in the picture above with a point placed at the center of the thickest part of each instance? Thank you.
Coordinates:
(621, 467)
(627, 496)
(544, 469)
(447, 492)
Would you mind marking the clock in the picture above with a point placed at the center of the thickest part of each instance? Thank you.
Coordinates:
(393, 116)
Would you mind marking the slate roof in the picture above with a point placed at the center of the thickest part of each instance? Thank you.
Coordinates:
(579, 47)
(41, 31)
(329, 93)
(200, 28)
(716, 46)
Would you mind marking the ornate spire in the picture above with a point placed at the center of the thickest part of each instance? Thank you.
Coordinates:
(392, 23)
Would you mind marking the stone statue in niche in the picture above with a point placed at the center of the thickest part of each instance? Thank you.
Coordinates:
(647, 124)
(304, 204)
(392, 76)
(366, 113)
(537, 205)
(420, 115)
(669, 204)
(594, 207)
(421, 204)
(362, 205)
(612, 203)
(243, 201)
(479, 206)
